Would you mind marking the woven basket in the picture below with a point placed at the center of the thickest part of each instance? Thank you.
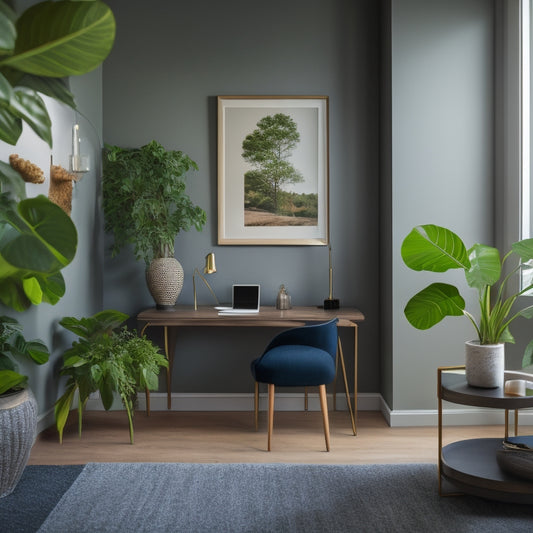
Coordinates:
(164, 278)
(18, 425)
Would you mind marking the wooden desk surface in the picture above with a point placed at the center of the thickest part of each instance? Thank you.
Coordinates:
(267, 317)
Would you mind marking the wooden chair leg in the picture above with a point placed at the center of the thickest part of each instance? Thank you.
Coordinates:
(324, 407)
(256, 405)
(270, 412)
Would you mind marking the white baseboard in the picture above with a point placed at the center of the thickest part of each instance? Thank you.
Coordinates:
(470, 416)
(241, 402)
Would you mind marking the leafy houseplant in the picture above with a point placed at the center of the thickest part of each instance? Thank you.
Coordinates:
(48, 42)
(437, 249)
(108, 359)
(14, 346)
(145, 205)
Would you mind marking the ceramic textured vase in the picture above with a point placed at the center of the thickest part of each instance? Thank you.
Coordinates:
(18, 426)
(485, 364)
(164, 278)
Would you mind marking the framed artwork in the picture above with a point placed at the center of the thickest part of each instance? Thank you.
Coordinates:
(273, 170)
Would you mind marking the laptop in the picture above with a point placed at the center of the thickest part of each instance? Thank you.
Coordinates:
(245, 300)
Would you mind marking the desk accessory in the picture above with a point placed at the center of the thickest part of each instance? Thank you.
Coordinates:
(330, 302)
(209, 268)
(283, 300)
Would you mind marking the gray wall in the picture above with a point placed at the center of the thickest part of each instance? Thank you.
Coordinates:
(161, 80)
(441, 171)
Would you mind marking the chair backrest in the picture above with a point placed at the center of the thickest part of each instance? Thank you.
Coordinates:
(323, 336)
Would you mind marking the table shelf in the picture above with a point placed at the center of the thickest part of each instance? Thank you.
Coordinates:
(470, 465)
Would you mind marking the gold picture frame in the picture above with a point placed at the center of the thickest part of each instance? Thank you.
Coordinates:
(273, 170)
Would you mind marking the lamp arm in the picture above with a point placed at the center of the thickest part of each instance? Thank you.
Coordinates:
(196, 271)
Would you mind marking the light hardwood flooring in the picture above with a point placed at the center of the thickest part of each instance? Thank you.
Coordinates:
(230, 437)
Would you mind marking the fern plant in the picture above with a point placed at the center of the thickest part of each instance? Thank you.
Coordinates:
(107, 358)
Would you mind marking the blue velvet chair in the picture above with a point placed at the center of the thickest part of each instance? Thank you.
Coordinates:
(299, 357)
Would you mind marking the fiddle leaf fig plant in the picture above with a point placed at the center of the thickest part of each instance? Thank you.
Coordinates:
(436, 249)
(144, 199)
(109, 359)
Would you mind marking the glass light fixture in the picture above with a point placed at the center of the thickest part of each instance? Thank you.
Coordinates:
(79, 163)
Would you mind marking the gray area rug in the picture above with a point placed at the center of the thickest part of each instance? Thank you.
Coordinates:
(156, 497)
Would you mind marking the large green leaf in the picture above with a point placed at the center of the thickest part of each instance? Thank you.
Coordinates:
(485, 266)
(54, 87)
(432, 304)
(64, 38)
(8, 33)
(10, 380)
(37, 240)
(10, 180)
(10, 126)
(435, 249)
(524, 249)
(30, 107)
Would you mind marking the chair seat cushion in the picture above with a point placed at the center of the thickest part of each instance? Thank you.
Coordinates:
(294, 366)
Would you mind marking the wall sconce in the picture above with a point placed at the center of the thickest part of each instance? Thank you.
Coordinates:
(209, 268)
(79, 163)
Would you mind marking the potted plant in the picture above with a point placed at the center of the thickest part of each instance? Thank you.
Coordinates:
(145, 205)
(437, 249)
(109, 359)
(18, 408)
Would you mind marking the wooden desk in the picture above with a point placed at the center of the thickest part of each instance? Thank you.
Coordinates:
(205, 316)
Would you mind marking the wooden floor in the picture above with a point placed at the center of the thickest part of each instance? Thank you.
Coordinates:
(230, 437)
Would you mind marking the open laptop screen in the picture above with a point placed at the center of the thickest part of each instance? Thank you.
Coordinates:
(246, 297)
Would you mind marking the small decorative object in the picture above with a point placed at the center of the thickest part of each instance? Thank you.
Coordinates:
(283, 300)
(164, 278)
(516, 456)
(60, 190)
(145, 203)
(29, 171)
(79, 163)
(437, 249)
(210, 268)
(18, 408)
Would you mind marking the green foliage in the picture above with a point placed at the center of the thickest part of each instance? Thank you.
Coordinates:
(106, 358)
(37, 240)
(437, 249)
(49, 41)
(14, 346)
(145, 203)
(268, 149)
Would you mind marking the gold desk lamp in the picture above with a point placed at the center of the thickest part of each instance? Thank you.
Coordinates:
(209, 268)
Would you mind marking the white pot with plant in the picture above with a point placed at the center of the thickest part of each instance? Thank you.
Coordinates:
(145, 205)
(437, 249)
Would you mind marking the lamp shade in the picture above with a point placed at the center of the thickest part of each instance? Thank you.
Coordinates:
(210, 266)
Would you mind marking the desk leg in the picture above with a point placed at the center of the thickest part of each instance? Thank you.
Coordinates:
(346, 388)
(169, 347)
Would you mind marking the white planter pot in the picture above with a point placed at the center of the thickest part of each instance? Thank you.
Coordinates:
(18, 426)
(164, 278)
(485, 364)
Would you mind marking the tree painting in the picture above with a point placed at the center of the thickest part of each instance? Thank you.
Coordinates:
(267, 201)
